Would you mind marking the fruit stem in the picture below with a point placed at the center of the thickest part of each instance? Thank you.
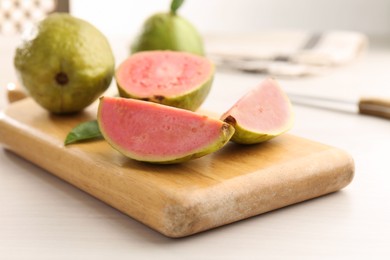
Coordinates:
(175, 5)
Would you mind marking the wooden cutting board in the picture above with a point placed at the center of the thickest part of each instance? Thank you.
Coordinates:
(234, 183)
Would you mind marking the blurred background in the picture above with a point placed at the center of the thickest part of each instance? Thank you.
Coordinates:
(116, 17)
(120, 21)
(210, 16)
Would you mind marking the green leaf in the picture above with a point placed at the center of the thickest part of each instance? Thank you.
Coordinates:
(175, 5)
(83, 132)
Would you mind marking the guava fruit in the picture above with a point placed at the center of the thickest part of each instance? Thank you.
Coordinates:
(65, 64)
(260, 115)
(155, 133)
(168, 31)
(171, 78)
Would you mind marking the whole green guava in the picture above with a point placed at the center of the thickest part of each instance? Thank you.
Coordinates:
(65, 64)
(168, 31)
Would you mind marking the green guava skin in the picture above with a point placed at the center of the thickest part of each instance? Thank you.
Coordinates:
(66, 64)
(227, 131)
(168, 31)
(190, 101)
(243, 135)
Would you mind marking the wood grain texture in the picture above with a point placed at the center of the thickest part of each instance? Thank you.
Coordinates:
(234, 183)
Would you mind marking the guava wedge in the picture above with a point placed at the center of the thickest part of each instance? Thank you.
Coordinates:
(155, 133)
(171, 78)
(168, 31)
(65, 63)
(260, 115)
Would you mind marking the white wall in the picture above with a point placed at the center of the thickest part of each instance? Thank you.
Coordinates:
(121, 17)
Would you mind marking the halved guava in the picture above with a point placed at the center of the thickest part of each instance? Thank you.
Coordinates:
(171, 78)
(151, 132)
(263, 113)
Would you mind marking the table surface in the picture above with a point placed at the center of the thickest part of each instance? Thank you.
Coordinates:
(42, 217)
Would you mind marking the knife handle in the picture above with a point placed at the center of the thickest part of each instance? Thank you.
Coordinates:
(379, 107)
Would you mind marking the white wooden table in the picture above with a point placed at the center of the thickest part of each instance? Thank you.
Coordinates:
(42, 217)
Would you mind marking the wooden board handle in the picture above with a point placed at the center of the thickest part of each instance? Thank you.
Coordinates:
(15, 92)
(379, 107)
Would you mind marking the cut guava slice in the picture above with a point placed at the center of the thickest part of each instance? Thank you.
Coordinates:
(171, 78)
(260, 115)
(151, 132)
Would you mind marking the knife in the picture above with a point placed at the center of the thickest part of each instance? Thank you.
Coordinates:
(372, 106)
(281, 65)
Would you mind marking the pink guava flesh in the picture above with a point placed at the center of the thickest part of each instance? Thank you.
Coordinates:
(149, 131)
(163, 73)
(265, 109)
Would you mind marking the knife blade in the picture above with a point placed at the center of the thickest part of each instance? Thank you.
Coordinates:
(279, 65)
(371, 106)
